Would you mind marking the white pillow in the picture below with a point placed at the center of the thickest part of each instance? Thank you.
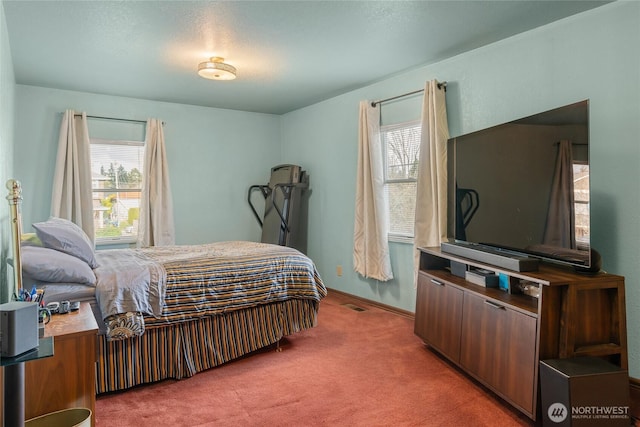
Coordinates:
(65, 236)
(49, 265)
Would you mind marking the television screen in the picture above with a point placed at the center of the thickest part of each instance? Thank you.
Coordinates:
(523, 186)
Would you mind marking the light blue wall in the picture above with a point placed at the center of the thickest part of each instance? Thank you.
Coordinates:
(7, 93)
(215, 155)
(592, 56)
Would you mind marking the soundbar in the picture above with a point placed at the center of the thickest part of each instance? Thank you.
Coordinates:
(491, 256)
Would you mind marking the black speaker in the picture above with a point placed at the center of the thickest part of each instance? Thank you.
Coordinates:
(584, 392)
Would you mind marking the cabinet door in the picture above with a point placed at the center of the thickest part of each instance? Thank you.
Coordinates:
(499, 347)
(438, 315)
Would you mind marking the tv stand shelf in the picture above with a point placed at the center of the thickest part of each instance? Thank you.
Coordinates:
(522, 303)
(498, 337)
(598, 350)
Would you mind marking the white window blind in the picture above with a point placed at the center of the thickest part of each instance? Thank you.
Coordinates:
(116, 171)
(401, 144)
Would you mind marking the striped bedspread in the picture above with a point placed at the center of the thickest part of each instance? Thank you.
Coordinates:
(210, 279)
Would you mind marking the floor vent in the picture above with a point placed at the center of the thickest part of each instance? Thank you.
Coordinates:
(354, 307)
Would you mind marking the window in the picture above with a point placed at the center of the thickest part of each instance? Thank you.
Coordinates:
(116, 171)
(581, 203)
(401, 144)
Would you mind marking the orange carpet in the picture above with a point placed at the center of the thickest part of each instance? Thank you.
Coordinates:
(356, 368)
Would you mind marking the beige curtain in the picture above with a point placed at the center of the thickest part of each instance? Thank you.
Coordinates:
(72, 197)
(156, 226)
(430, 227)
(370, 245)
(560, 227)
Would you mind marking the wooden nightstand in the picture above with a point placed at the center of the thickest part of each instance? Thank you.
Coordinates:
(68, 379)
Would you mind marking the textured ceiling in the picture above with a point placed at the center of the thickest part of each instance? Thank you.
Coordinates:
(289, 54)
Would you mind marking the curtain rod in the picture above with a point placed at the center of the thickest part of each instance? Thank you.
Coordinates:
(440, 86)
(115, 118)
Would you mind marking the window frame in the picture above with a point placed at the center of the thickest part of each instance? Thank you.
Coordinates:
(104, 241)
(384, 129)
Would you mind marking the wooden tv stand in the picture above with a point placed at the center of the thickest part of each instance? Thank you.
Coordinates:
(498, 337)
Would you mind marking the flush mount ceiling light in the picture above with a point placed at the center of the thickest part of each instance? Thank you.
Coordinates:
(216, 69)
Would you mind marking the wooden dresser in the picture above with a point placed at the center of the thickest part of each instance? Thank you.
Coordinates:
(68, 379)
(499, 337)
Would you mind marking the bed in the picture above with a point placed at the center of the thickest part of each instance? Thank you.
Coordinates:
(170, 312)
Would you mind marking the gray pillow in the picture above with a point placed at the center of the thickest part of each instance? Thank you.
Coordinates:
(49, 265)
(65, 236)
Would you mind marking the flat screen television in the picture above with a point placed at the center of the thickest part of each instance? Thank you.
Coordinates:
(522, 187)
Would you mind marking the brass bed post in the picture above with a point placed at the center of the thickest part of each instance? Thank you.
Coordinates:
(15, 199)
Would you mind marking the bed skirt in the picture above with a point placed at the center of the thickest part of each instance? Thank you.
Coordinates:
(181, 350)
